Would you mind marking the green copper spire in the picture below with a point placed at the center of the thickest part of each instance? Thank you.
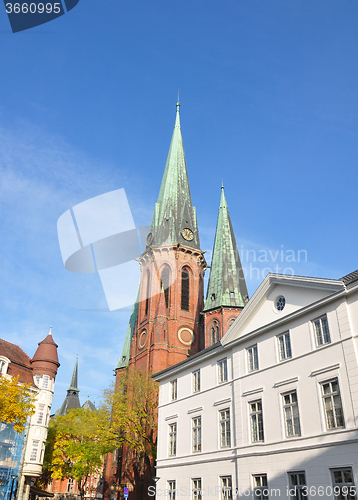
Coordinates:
(173, 211)
(124, 360)
(227, 285)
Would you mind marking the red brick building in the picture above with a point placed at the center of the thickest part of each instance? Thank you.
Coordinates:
(171, 320)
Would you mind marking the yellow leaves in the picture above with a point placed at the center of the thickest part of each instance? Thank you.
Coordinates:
(76, 443)
(134, 404)
(17, 402)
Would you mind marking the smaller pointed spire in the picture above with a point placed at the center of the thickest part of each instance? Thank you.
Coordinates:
(72, 400)
(73, 386)
(227, 286)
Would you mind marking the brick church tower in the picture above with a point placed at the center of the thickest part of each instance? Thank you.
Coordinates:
(166, 324)
(170, 320)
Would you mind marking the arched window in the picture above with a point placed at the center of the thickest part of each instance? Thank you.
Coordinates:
(231, 321)
(165, 277)
(185, 289)
(147, 294)
(215, 335)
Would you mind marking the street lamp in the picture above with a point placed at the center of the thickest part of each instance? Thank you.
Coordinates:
(13, 477)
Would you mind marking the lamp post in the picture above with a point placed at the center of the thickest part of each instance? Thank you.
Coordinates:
(13, 477)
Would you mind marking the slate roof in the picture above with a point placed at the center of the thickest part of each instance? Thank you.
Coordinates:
(173, 211)
(349, 278)
(20, 362)
(227, 286)
(89, 405)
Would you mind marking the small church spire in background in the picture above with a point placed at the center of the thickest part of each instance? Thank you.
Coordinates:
(227, 286)
(72, 399)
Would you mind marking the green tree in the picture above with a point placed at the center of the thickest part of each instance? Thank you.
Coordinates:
(134, 406)
(76, 445)
(17, 402)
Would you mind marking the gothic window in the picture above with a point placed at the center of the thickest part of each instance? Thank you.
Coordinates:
(215, 336)
(147, 294)
(165, 284)
(231, 321)
(185, 289)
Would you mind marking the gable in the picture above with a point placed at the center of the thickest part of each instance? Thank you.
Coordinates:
(262, 309)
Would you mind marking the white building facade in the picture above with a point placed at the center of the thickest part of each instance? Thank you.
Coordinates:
(272, 410)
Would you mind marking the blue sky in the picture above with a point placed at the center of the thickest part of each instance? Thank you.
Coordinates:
(269, 105)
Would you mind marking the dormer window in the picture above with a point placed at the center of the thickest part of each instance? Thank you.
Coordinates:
(213, 297)
(232, 295)
(4, 364)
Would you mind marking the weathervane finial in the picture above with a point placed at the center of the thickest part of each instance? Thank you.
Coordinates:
(178, 103)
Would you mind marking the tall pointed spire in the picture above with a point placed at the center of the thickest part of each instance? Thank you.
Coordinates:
(72, 400)
(174, 211)
(73, 385)
(227, 286)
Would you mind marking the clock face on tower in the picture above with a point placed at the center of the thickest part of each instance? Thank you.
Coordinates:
(187, 234)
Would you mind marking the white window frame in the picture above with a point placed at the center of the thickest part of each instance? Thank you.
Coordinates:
(196, 488)
(174, 390)
(297, 487)
(196, 434)
(171, 489)
(284, 346)
(226, 487)
(261, 487)
(70, 485)
(45, 382)
(252, 358)
(34, 450)
(222, 371)
(291, 414)
(172, 448)
(321, 337)
(256, 418)
(332, 397)
(4, 365)
(40, 414)
(349, 491)
(224, 428)
(196, 381)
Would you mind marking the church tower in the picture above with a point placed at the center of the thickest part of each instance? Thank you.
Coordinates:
(227, 292)
(72, 399)
(165, 325)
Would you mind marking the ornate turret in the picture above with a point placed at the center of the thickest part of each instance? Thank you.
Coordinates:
(227, 291)
(45, 360)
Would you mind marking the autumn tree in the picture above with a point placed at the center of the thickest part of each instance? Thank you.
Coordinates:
(17, 402)
(134, 406)
(76, 445)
